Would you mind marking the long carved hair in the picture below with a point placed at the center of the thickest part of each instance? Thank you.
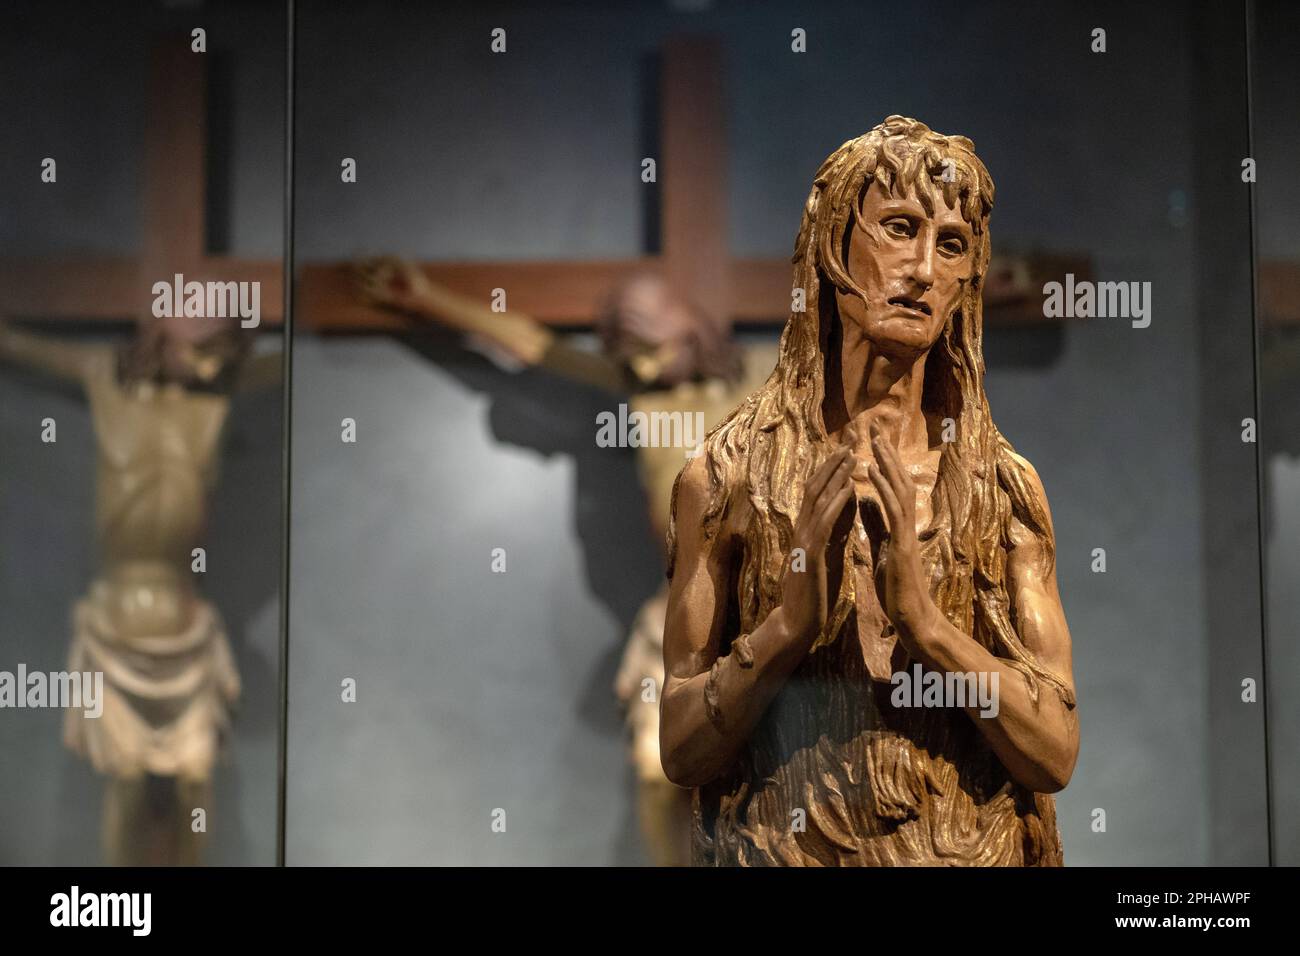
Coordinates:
(769, 446)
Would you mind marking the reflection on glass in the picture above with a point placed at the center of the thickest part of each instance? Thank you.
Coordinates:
(160, 679)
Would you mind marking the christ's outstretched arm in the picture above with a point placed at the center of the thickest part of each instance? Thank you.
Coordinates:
(65, 361)
(395, 284)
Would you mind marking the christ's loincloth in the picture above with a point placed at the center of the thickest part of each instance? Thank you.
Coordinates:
(167, 697)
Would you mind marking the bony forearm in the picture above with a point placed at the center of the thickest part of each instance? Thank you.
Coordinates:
(1038, 752)
(1033, 734)
(1044, 773)
(524, 338)
(709, 717)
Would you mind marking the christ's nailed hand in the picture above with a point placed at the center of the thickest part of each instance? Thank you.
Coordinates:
(391, 283)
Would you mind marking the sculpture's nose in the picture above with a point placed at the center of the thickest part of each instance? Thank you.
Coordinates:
(922, 270)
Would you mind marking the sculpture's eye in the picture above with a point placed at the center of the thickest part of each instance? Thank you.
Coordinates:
(899, 227)
(952, 245)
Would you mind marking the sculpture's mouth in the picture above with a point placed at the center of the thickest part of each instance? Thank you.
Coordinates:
(911, 305)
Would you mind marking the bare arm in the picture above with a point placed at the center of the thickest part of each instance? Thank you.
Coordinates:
(402, 285)
(696, 745)
(1038, 742)
(65, 361)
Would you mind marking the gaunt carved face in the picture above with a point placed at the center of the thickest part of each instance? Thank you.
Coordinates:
(912, 266)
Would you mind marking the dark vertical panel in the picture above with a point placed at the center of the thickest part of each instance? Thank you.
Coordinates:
(1222, 263)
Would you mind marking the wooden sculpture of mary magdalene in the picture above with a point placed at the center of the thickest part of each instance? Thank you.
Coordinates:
(857, 518)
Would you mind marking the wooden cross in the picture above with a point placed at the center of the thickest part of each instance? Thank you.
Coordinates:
(691, 172)
(172, 225)
(692, 180)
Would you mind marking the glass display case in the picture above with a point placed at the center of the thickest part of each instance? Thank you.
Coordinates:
(410, 604)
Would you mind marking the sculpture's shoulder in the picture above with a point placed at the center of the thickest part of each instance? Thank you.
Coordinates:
(1026, 466)
(692, 490)
(706, 504)
(1031, 476)
(1031, 518)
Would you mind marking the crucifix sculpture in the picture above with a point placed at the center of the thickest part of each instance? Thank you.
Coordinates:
(692, 169)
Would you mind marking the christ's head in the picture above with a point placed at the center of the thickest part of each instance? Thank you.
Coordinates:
(196, 352)
(661, 339)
